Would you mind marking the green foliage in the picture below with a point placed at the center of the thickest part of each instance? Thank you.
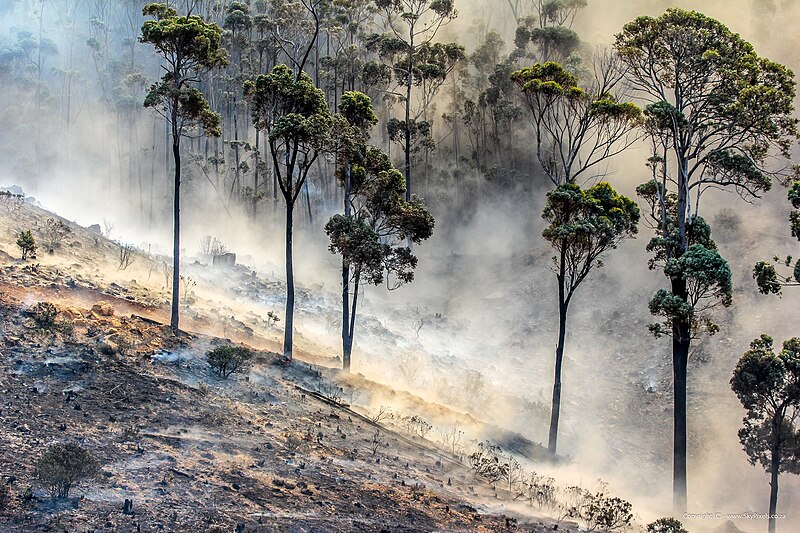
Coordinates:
(369, 238)
(356, 108)
(708, 282)
(584, 224)
(550, 33)
(727, 94)
(666, 525)
(63, 466)
(227, 359)
(766, 274)
(189, 46)
(549, 79)
(296, 117)
(577, 127)
(27, 244)
(768, 385)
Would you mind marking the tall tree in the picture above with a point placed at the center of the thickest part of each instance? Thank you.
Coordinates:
(412, 26)
(768, 385)
(295, 116)
(189, 47)
(575, 130)
(583, 225)
(717, 112)
(377, 218)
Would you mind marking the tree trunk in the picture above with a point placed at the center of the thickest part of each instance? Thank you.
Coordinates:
(255, 177)
(345, 317)
(176, 235)
(287, 333)
(349, 345)
(346, 339)
(408, 113)
(681, 342)
(774, 470)
(563, 305)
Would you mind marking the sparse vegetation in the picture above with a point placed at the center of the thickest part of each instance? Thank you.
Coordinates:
(62, 466)
(44, 315)
(228, 359)
(211, 246)
(11, 202)
(27, 244)
(486, 462)
(127, 256)
(54, 232)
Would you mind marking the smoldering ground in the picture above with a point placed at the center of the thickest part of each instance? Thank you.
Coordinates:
(476, 328)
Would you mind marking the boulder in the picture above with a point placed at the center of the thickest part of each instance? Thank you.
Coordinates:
(103, 309)
(226, 260)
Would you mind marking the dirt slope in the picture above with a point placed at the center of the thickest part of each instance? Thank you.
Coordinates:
(262, 451)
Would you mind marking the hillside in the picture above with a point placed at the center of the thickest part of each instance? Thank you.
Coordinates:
(276, 449)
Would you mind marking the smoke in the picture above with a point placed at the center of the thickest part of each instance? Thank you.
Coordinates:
(476, 329)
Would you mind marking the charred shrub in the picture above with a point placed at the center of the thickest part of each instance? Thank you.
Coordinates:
(54, 232)
(227, 359)
(44, 314)
(63, 466)
(487, 464)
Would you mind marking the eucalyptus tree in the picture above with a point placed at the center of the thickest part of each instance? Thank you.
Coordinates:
(377, 219)
(768, 385)
(546, 34)
(716, 114)
(189, 47)
(575, 130)
(238, 23)
(412, 26)
(294, 114)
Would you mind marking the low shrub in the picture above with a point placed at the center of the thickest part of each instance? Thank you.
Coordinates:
(227, 359)
(63, 466)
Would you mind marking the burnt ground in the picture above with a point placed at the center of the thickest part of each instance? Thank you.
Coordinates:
(196, 452)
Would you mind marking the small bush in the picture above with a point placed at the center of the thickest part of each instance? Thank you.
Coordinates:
(227, 359)
(666, 525)
(44, 314)
(606, 514)
(63, 466)
(27, 244)
(54, 232)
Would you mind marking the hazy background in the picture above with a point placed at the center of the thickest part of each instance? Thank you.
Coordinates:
(483, 287)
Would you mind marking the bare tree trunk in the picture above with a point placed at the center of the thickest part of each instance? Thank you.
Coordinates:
(775, 463)
(563, 305)
(346, 340)
(289, 324)
(681, 342)
(176, 235)
(408, 113)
